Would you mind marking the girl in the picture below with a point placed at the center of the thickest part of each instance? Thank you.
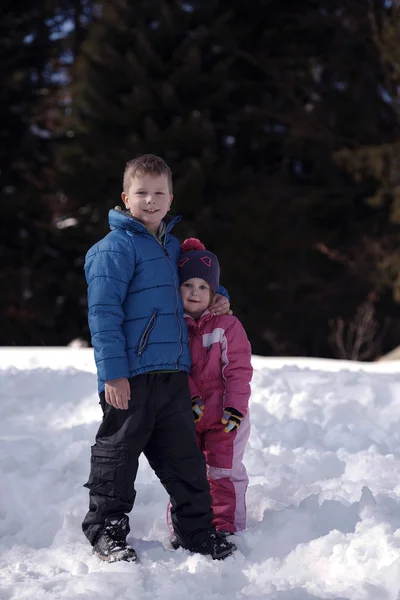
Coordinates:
(219, 383)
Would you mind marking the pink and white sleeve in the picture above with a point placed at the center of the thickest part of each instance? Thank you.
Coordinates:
(236, 367)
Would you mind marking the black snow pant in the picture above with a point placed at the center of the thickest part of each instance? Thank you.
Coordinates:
(159, 422)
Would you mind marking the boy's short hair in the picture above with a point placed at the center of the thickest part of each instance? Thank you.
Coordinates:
(147, 164)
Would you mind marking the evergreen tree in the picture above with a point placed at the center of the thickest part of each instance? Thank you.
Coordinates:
(376, 158)
(153, 77)
(34, 270)
(310, 262)
(253, 110)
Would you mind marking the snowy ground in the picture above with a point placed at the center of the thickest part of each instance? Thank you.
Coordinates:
(323, 501)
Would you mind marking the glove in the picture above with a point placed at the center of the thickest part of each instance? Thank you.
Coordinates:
(197, 408)
(231, 418)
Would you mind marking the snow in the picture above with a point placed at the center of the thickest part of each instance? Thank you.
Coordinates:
(323, 501)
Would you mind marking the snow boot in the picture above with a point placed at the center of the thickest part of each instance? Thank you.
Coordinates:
(111, 544)
(211, 543)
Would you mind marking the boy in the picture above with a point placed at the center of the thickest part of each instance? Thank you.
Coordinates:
(141, 350)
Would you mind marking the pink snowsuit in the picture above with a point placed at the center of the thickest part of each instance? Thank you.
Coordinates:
(221, 374)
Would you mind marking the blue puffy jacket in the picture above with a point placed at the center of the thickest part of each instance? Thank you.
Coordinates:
(135, 308)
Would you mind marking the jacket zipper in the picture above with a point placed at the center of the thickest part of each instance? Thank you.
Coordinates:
(176, 315)
(163, 244)
(176, 304)
(145, 337)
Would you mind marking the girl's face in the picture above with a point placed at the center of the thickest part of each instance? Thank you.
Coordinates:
(196, 296)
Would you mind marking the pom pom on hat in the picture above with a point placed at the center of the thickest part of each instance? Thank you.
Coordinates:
(192, 244)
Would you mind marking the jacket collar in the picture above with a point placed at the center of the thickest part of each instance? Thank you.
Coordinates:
(206, 316)
(121, 219)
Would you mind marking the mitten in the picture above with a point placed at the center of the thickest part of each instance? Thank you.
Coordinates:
(197, 408)
(231, 418)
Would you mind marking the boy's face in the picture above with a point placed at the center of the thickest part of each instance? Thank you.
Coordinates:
(196, 296)
(149, 200)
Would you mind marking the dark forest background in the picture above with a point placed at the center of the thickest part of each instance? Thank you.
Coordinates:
(280, 121)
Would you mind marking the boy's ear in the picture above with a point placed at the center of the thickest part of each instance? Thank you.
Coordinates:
(170, 200)
(124, 198)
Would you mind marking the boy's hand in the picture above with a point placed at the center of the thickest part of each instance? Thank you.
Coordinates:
(231, 418)
(220, 305)
(118, 393)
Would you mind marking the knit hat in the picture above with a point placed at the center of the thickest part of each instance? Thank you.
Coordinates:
(196, 261)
